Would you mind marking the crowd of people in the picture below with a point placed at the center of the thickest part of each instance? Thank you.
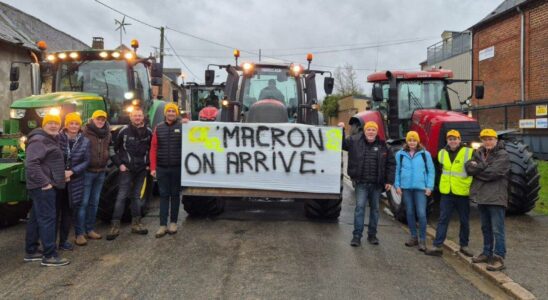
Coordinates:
(66, 169)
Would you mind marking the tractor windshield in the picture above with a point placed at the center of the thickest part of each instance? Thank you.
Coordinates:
(272, 83)
(201, 98)
(420, 94)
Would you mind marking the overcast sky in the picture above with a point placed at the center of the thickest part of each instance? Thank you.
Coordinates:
(283, 29)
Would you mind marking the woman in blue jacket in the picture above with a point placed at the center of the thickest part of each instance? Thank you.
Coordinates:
(415, 176)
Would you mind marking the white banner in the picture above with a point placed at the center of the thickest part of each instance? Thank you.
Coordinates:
(282, 157)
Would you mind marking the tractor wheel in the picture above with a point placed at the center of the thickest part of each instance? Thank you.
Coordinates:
(10, 214)
(323, 209)
(110, 192)
(523, 185)
(197, 206)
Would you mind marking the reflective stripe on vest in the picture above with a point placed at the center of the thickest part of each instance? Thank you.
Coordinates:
(453, 177)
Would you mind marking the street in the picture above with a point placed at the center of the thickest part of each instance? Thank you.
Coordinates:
(253, 250)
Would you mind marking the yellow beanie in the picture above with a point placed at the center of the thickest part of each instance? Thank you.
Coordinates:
(454, 133)
(412, 135)
(171, 105)
(51, 118)
(99, 113)
(488, 133)
(72, 117)
(371, 124)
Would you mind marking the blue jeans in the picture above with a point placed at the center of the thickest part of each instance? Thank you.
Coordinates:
(169, 184)
(448, 204)
(492, 227)
(370, 192)
(87, 211)
(129, 185)
(42, 222)
(415, 205)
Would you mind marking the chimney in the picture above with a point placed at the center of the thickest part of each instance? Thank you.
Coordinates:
(98, 43)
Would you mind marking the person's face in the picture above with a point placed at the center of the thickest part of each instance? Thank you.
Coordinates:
(489, 142)
(52, 128)
(73, 127)
(99, 122)
(412, 143)
(171, 115)
(371, 133)
(137, 117)
(453, 142)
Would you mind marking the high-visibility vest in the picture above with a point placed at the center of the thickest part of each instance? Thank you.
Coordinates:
(453, 177)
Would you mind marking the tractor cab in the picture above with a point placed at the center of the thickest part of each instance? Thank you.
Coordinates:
(201, 102)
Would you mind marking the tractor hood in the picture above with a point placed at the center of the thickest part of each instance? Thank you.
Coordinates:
(433, 116)
(54, 99)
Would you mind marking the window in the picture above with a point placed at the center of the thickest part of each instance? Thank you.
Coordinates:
(142, 87)
(201, 98)
(420, 94)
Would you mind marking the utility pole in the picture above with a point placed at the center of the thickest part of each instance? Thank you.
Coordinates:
(160, 96)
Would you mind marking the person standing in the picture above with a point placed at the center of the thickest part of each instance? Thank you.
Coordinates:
(371, 168)
(45, 175)
(415, 176)
(165, 166)
(131, 149)
(454, 189)
(97, 131)
(490, 166)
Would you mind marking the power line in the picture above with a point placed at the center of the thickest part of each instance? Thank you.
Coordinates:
(128, 16)
(180, 59)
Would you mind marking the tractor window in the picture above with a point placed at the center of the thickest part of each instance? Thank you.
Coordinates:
(420, 94)
(142, 87)
(203, 97)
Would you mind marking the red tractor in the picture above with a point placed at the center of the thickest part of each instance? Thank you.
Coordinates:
(419, 101)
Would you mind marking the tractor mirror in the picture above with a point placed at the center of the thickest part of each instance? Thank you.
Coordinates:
(328, 83)
(14, 73)
(156, 70)
(14, 85)
(479, 91)
(156, 81)
(377, 92)
(209, 77)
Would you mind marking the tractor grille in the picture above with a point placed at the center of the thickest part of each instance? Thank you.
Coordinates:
(469, 132)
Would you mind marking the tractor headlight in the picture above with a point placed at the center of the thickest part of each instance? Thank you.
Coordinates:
(475, 145)
(129, 95)
(45, 110)
(16, 113)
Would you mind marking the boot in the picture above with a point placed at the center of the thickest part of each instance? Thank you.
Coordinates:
(172, 228)
(422, 246)
(137, 227)
(92, 235)
(482, 258)
(356, 242)
(412, 242)
(80, 240)
(434, 251)
(161, 232)
(496, 264)
(114, 230)
(372, 239)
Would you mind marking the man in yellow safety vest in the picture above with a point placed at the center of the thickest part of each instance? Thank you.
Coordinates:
(454, 189)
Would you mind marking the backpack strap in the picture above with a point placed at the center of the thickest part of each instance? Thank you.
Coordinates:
(424, 159)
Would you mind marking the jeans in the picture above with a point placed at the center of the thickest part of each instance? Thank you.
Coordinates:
(492, 227)
(415, 204)
(87, 211)
(129, 185)
(42, 221)
(169, 184)
(64, 216)
(370, 192)
(448, 204)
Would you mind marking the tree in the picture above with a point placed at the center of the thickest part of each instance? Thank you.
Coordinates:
(346, 81)
(330, 106)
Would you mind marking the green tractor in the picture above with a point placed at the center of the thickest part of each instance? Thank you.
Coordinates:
(202, 102)
(77, 81)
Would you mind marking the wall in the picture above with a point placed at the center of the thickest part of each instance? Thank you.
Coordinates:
(8, 54)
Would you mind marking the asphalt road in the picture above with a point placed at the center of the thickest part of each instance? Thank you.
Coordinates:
(254, 250)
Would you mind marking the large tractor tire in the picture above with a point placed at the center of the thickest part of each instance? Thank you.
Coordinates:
(396, 205)
(10, 214)
(110, 192)
(200, 207)
(523, 185)
(323, 208)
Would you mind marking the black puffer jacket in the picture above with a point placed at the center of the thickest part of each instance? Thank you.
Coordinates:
(132, 146)
(80, 155)
(490, 172)
(44, 161)
(356, 168)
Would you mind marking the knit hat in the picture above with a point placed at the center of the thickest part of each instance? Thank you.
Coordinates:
(412, 135)
(488, 133)
(51, 118)
(171, 105)
(72, 117)
(99, 113)
(454, 133)
(371, 124)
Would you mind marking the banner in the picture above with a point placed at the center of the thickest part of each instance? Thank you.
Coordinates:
(282, 157)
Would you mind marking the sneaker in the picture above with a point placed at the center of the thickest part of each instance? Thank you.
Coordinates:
(172, 228)
(496, 264)
(54, 261)
(37, 256)
(356, 242)
(466, 251)
(482, 258)
(372, 239)
(434, 251)
(92, 235)
(412, 242)
(66, 246)
(80, 240)
(422, 246)
(161, 232)
(114, 231)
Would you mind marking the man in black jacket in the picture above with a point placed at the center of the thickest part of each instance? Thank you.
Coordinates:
(132, 147)
(371, 167)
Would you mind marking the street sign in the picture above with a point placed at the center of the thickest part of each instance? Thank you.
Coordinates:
(487, 53)
(527, 123)
(542, 110)
(542, 123)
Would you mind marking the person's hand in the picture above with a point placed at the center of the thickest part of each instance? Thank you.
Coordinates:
(153, 173)
(68, 173)
(47, 187)
(123, 168)
(147, 168)
(341, 124)
(67, 179)
(473, 163)
(184, 120)
(398, 191)
(387, 187)
(428, 192)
